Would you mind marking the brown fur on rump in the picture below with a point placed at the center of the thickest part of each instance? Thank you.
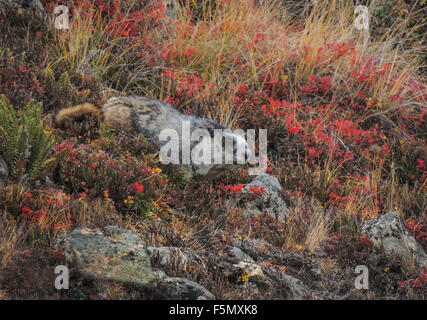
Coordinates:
(67, 116)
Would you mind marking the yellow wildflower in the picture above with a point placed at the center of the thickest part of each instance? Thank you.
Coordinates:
(245, 277)
(156, 170)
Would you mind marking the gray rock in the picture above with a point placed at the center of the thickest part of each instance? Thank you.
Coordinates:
(3, 295)
(117, 254)
(4, 170)
(254, 274)
(270, 201)
(36, 5)
(254, 248)
(32, 4)
(389, 233)
(181, 288)
(168, 255)
(250, 269)
(238, 253)
(112, 253)
(297, 288)
(245, 273)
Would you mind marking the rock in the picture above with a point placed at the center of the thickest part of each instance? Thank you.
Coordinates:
(117, 254)
(389, 233)
(254, 274)
(238, 253)
(250, 269)
(243, 272)
(31, 4)
(181, 288)
(297, 288)
(168, 255)
(270, 201)
(112, 253)
(36, 5)
(4, 170)
(3, 295)
(254, 248)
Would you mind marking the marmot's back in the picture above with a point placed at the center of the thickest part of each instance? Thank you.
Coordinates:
(145, 115)
(116, 111)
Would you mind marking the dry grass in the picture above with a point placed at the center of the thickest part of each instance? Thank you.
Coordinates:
(11, 239)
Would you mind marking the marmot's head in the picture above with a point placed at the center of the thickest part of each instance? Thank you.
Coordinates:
(203, 146)
(228, 150)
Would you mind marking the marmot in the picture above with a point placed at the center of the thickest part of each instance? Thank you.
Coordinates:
(150, 117)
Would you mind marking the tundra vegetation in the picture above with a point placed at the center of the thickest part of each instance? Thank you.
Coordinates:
(346, 122)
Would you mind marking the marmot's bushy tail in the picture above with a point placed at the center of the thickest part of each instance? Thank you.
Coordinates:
(68, 115)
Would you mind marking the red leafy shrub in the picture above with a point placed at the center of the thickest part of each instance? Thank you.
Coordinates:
(90, 170)
(49, 209)
(418, 230)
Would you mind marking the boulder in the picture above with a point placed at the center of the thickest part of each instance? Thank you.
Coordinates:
(117, 254)
(112, 253)
(296, 287)
(167, 255)
(389, 233)
(270, 201)
(181, 288)
(250, 269)
(254, 248)
(238, 253)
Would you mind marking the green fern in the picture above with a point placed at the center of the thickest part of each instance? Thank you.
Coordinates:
(25, 143)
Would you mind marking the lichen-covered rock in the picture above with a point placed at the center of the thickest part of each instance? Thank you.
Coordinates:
(117, 254)
(254, 248)
(31, 4)
(297, 288)
(111, 253)
(181, 288)
(270, 201)
(4, 170)
(389, 233)
(250, 269)
(238, 253)
(168, 255)
(3, 295)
